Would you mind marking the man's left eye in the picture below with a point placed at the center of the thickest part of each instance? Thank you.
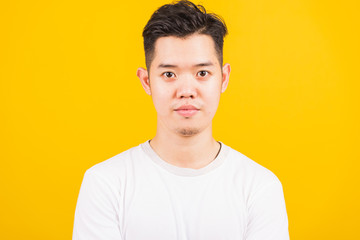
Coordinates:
(202, 73)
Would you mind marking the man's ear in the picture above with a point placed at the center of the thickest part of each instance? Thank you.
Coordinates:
(225, 77)
(143, 75)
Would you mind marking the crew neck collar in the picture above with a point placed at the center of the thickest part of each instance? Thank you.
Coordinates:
(186, 172)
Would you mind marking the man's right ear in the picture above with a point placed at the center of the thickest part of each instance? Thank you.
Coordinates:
(143, 75)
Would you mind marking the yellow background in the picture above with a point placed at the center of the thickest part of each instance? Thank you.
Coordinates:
(69, 98)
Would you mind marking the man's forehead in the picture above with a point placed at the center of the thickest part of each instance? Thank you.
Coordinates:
(175, 42)
(192, 50)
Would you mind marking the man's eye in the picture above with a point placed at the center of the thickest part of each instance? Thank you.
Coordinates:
(203, 73)
(169, 74)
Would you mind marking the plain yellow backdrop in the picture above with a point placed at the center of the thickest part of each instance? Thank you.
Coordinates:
(70, 98)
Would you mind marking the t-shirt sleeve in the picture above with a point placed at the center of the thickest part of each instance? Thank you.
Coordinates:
(267, 214)
(96, 214)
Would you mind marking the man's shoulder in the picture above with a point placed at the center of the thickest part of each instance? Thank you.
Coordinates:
(245, 167)
(117, 164)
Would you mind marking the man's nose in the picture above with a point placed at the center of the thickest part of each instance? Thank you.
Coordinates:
(187, 87)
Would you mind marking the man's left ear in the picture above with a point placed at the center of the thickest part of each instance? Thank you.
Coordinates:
(225, 76)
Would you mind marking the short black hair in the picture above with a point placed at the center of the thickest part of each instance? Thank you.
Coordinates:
(181, 19)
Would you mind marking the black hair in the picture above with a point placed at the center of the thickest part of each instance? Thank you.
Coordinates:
(181, 19)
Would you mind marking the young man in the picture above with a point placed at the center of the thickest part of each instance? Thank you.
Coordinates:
(182, 184)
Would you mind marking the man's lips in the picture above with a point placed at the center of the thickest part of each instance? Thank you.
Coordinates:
(186, 107)
(187, 110)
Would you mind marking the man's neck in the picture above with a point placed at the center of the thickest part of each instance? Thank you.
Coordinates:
(188, 152)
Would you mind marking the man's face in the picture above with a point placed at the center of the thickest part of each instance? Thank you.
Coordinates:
(185, 82)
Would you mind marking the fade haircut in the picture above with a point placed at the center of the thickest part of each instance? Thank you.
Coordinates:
(181, 19)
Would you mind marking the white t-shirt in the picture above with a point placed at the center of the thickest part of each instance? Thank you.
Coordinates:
(136, 195)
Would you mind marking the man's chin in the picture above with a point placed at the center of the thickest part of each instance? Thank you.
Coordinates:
(187, 132)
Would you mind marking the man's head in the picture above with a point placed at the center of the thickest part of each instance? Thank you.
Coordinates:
(183, 19)
(183, 47)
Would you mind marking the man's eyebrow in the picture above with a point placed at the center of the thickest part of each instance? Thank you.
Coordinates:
(205, 64)
(162, 65)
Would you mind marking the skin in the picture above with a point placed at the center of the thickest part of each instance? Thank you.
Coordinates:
(185, 71)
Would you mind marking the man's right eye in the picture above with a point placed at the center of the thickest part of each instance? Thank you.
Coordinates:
(169, 74)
